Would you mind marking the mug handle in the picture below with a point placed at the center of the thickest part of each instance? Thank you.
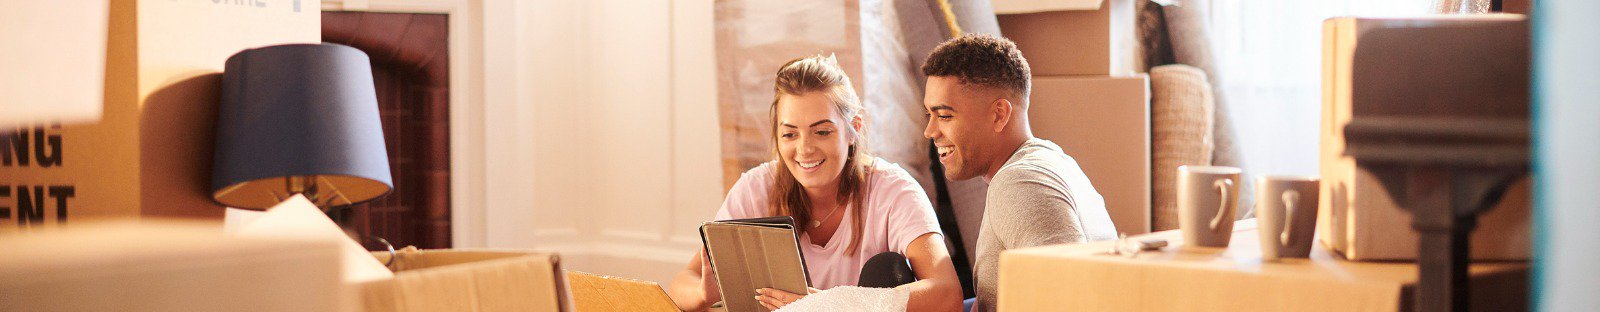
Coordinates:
(1226, 205)
(1290, 198)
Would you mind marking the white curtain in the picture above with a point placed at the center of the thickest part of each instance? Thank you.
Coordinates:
(1268, 62)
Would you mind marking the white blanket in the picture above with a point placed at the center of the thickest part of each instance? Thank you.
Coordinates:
(852, 298)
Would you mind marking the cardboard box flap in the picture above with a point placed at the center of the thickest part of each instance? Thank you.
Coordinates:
(158, 265)
(411, 258)
(471, 280)
(1035, 6)
(47, 252)
(592, 292)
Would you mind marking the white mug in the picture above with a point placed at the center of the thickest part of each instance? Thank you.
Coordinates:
(1207, 200)
(1286, 215)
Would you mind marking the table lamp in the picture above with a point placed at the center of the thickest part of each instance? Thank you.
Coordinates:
(299, 119)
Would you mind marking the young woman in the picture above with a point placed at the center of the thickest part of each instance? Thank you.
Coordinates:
(850, 207)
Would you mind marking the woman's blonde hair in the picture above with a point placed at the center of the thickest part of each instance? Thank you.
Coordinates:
(820, 73)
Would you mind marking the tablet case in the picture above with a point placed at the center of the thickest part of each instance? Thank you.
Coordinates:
(748, 254)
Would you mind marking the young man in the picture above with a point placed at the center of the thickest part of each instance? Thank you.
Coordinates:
(977, 106)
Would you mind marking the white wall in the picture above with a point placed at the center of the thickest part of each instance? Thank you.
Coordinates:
(1269, 54)
(587, 128)
(602, 131)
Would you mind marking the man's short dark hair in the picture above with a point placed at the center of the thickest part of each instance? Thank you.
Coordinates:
(981, 59)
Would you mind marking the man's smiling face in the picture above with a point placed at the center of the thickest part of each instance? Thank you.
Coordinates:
(960, 125)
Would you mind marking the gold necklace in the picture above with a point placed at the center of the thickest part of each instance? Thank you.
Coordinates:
(818, 222)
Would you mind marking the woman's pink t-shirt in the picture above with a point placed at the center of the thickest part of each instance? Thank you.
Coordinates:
(897, 211)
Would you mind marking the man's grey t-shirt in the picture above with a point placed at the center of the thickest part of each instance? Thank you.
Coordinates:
(1039, 197)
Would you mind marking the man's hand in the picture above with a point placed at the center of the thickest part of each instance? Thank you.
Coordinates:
(773, 299)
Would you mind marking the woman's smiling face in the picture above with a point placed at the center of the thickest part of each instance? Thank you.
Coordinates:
(813, 138)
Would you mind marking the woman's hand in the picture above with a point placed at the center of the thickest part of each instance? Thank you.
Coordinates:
(695, 288)
(937, 288)
(774, 299)
(708, 281)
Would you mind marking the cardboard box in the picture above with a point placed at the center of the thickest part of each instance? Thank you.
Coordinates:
(166, 266)
(468, 280)
(150, 152)
(1104, 124)
(1358, 217)
(593, 292)
(54, 61)
(1072, 37)
(1084, 277)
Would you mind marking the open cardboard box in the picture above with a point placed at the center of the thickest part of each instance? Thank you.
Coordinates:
(467, 280)
(418, 280)
(501, 280)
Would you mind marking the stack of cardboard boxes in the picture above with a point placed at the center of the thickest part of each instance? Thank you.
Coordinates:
(1088, 95)
(82, 203)
(1367, 257)
(149, 154)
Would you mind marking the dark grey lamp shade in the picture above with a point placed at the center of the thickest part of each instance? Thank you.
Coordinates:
(299, 118)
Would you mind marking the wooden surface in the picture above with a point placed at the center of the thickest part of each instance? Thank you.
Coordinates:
(1086, 277)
